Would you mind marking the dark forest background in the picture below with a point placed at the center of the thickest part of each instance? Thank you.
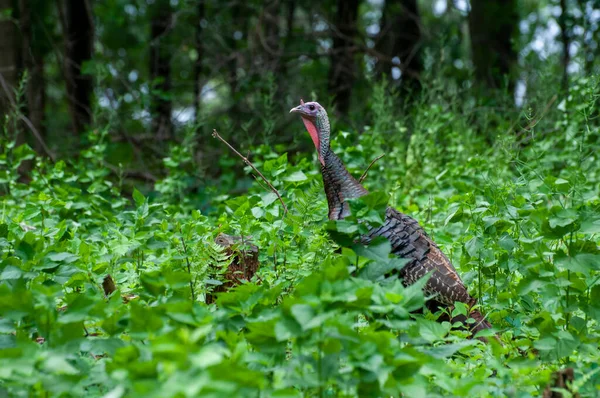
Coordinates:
(150, 72)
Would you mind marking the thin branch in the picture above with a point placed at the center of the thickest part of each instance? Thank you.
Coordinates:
(215, 134)
(137, 174)
(25, 120)
(189, 267)
(38, 137)
(364, 175)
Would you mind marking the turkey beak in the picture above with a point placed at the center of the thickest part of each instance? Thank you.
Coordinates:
(297, 109)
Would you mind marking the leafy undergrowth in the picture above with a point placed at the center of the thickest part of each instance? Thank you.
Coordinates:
(520, 220)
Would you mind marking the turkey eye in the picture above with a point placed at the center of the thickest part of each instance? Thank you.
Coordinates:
(311, 107)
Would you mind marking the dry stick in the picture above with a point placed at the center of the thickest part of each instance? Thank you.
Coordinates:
(364, 175)
(249, 163)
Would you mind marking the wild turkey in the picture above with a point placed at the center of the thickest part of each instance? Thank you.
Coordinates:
(408, 239)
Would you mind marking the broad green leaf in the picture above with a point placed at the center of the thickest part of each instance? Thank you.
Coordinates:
(582, 262)
(431, 331)
(563, 218)
(378, 249)
(545, 344)
(303, 313)
(296, 176)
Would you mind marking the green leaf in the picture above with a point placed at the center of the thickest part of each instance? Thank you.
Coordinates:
(208, 356)
(563, 218)
(286, 329)
(344, 226)
(138, 198)
(11, 272)
(268, 198)
(431, 330)
(545, 344)
(258, 212)
(378, 249)
(454, 216)
(582, 262)
(474, 246)
(296, 176)
(303, 313)
(590, 226)
(56, 364)
(566, 344)
(63, 257)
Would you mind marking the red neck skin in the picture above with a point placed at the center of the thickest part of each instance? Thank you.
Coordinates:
(314, 134)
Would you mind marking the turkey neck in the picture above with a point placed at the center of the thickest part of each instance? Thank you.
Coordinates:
(339, 185)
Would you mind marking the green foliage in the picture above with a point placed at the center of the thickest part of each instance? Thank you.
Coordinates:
(520, 220)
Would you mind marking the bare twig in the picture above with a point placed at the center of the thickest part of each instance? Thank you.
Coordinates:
(249, 163)
(364, 175)
(137, 174)
(25, 120)
(189, 267)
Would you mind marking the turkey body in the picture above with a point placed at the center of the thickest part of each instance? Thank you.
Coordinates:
(408, 240)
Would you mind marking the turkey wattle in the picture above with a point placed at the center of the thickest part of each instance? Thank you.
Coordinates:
(408, 239)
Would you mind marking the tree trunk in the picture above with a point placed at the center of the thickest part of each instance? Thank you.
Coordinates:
(33, 61)
(198, 64)
(289, 22)
(566, 42)
(9, 60)
(343, 67)
(400, 36)
(271, 43)
(491, 26)
(232, 64)
(160, 69)
(237, 35)
(80, 47)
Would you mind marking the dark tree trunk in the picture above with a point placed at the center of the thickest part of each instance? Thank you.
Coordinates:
(283, 45)
(238, 35)
(342, 72)
(491, 26)
(232, 64)
(588, 40)
(566, 42)
(33, 61)
(289, 22)
(198, 64)
(9, 60)
(271, 44)
(80, 47)
(160, 69)
(400, 36)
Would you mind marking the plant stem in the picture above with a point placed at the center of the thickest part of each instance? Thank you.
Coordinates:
(189, 268)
